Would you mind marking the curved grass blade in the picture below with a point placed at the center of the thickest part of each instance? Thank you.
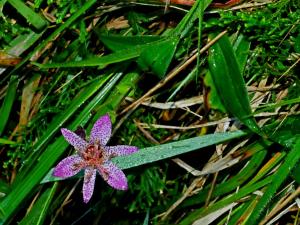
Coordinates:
(229, 82)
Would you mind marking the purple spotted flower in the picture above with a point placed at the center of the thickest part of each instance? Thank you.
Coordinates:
(93, 156)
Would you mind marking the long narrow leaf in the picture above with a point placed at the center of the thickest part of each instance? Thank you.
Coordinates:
(32, 17)
(8, 102)
(229, 82)
(227, 200)
(160, 152)
(38, 212)
(279, 177)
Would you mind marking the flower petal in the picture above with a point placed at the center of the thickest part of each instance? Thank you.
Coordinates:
(78, 143)
(120, 150)
(88, 184)
(67, 167)
(113, 176)
(101, 131)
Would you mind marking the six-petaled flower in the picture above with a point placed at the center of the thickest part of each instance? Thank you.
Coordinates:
(92, 156)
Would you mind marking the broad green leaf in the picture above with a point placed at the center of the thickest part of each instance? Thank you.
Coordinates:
(25, 186)
(158, 56)
(214, 99)
(241, 49)
(32, 17)
(24, 41)
(156, 52)
(38, 212)
(8, 102)
(2, 3)
(297, 44)
(229, 82)
(279, 177)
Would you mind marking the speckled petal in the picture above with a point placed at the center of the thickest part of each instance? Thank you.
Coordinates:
(113, 176)
(68, 167)
(120, 150)
(88, 184)
(101, 131)
(78, 143)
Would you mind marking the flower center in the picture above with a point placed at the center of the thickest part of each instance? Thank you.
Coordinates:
(93, 155)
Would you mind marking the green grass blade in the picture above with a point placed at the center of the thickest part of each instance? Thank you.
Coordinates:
(59, 30)
(268, 107)
(244, 191)
(187, 22)
(101, 62)
(118, 42)
(279, 177)
(6, 142)
(38, 212)
(233, 182)
(229, 82)
(156, 53)
(32, 17)
(158, 56)
(241, 49)
(8, 102)
(24, 41)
